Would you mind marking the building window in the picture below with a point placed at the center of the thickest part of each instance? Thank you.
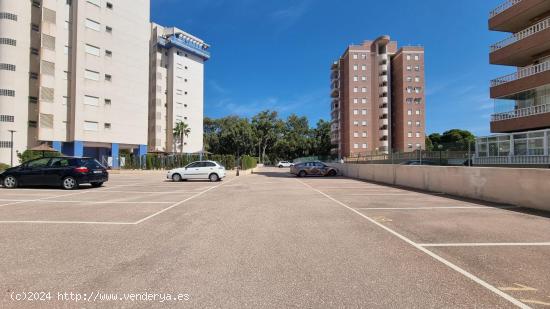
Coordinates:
(363, 78)
(33, 100)
(356, 123)
(355, 101)
(108, 53)
(90, 125)
(47, 94)
(355, 67)
(418, 112)
(109, 5)
(410, 146)
(364, 146)
(6, 118)
(65, 100)
(356, 146)
(364, 67)
(8, 41)
(66, 50)
(356, 78)
(410, 134)
(408, 57)
(409, 68)
(108, 102)
(355, 89)
(417, 89)
(409, 100)
(91, 75)
(92, 24)
(416, 68)
(409, 79)
(48, 42)
(7, 67)
(107, 126)
(409, 89)
(355, 134)
(364, 123)
(364, 100)
(417, 100)
(417, 134)
(33, 75)
(34, 51)
(416, 57)
(418, 123)
(364, 134)
(355, 56)
(10, 16)
(409, 112)
(363, 112)
(33, 124)
(356, 112)
(35, 27)
(409, 123)
(91, 100)
(92, 50)
(108, 29)
(108, 77)
(417, 79)
(364, 89)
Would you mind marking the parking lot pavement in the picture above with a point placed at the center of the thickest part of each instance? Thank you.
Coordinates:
(270, 240)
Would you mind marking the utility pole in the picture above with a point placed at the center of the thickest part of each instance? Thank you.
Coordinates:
(11, 153)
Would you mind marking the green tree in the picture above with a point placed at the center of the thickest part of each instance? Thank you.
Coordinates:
(455, 139)
(267, 130)
(181, 130)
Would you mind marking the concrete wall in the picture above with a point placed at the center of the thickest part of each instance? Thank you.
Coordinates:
(521, 187)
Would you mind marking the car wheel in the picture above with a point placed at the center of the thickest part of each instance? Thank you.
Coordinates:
(214, 177)
(176, 177)
(280, 166)
(332, 173)
(97, 184)
(10, 182)
(69, 183)
(302, 174)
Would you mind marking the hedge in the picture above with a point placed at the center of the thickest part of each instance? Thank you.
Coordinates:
(161, 162)
(248, 162)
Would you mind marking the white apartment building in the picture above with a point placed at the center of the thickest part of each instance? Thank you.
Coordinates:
(74, 74)
(176, 89)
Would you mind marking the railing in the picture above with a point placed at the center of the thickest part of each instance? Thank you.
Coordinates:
(527, 160)
(522, 112)
(522, 73)
(503, 7)
(536, 28)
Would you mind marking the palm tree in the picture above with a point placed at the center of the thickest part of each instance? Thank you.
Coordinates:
(180, 130)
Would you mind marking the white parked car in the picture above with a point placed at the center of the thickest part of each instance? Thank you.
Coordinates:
(210, 170)
(282, 164)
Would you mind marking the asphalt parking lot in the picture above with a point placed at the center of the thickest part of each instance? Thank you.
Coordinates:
(269, 240)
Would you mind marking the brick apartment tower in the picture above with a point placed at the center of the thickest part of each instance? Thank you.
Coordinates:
(378, 101)
(522, 99)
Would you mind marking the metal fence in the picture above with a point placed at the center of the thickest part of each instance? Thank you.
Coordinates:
(421, 156)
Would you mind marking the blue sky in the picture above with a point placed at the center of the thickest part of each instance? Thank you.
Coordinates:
(276, 54)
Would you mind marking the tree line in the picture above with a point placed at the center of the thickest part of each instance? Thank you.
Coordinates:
(267, 136)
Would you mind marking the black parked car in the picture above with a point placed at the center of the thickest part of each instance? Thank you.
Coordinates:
(67, 172)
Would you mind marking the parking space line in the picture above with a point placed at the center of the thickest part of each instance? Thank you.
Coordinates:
(437, 208)
(182, 201)
(495, 244)
(426, 251)
(94, 202)
(69, 222)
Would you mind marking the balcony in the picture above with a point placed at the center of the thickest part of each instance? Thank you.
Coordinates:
(335, 93)
(384, 68)
(384, 110)
(520, 48)
(513, 15)
(512, 160)
(384, 100)
(384, 133)
(383, 78)
(524, 79)
(384, 122)
(522, 119)
(384, 89)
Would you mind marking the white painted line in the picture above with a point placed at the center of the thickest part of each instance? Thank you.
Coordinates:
(91, 202)
(426, 251)
(69, 222)
(489, 244)
(155, 192)
(387, 194)
(182, 201)
(437, 208)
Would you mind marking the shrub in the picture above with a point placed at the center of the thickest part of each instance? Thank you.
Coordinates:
(4, 167)
(248, 162)
(28, 155)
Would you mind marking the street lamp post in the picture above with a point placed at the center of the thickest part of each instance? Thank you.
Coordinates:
(11, 148)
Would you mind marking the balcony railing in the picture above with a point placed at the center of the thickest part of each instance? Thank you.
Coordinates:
(536, 28)
(503, 7)
(522, 73)
(522, 112)
(512, 160)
